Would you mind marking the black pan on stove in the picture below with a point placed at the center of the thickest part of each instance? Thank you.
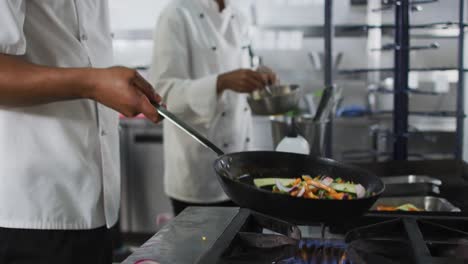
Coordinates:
(238, 170)
(236, 173)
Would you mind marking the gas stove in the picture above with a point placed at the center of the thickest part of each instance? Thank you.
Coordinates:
(237, 235)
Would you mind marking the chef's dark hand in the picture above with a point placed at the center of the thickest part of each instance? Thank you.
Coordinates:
(243, 81)
(125, 91)
(269, 74)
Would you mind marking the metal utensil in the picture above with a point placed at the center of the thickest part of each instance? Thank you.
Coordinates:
(267, 86)
(334, 102)
(313, 132)
(187, 129)
(268, 89)
(338, 60)
(324, 102)
(284, 99)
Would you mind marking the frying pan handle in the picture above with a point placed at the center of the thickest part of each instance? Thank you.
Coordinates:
(187, 129)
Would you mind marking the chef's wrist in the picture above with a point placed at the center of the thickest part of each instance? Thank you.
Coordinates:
(88, 79)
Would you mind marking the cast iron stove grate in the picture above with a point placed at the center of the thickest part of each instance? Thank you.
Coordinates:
(407, 240)
(400, 240)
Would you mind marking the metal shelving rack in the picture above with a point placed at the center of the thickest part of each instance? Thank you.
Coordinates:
(401, 69)
(359, 30)
(401, 75)
(329, 33)
(461, 82)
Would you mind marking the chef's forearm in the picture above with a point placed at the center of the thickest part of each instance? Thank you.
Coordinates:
(26, 84)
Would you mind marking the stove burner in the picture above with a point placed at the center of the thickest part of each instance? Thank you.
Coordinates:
(269, 240)
(319, 251)
(307, 251)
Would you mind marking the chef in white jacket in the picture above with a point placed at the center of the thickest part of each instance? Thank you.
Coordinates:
(59, 154)
(200, 67)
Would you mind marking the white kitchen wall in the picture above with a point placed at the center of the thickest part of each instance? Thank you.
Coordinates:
(135, 14)
(143, 14)
(140, 16)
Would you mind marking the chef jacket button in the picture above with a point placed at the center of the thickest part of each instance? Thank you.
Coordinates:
(202, 15)
(103, 133)
(214, 48)
(225, 145)
(233, 16)
(223, 114)
(246, 109)
(247, 140)
(84, 37)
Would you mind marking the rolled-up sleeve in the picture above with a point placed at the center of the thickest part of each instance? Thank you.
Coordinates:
(12, 14)
(195, 99)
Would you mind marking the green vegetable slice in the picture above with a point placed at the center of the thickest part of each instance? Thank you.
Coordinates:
(408, 207)
(344, 187)
(261, 182)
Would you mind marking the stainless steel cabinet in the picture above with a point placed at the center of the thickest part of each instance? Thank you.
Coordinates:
(143, 197)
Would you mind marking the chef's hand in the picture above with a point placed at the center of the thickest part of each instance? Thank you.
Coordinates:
(125, 91)
(242, 81)
(269, 74)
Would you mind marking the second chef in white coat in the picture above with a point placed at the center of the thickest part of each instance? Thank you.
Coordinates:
(200, 67)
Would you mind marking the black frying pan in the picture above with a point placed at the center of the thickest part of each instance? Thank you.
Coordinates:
(236, 172)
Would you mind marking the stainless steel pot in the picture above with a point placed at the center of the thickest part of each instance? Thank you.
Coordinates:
(313, 132)
(282, 99)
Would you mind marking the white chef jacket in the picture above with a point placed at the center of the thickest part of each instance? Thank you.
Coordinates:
(194, 43)
(59, 162)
